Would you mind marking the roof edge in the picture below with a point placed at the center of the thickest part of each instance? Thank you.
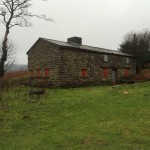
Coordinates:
(80, 48)
(39, 39)
(75, 48)
(33, 45)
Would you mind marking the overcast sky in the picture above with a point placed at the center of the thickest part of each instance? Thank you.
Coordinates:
(101, 23)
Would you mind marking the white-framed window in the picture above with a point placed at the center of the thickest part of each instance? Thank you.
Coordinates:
(105, 58)
(127, 60)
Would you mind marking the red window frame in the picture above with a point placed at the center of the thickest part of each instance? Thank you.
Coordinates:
(105, 72)
(84, 73)
(126, 72)
(46, 72)
(38, 72)
(31, 74)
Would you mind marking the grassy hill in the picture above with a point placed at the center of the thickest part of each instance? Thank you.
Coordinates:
(87, 118)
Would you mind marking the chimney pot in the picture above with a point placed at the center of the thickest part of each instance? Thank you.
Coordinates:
(75, 40)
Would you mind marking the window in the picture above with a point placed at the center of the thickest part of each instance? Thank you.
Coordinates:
(46, 72)
(106, 58)
(127, 60)
(126, 72)
(105, 72)
(84, 73)
(38, 72)
(31, 74)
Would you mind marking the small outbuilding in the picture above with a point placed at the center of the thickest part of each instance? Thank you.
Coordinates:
(73, 64)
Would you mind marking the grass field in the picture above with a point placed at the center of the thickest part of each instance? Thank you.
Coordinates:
(87, 118)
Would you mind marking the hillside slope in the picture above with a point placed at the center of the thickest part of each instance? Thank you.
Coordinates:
(91, 118)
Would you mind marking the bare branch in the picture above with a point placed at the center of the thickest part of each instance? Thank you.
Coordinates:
(41, 17)
(10, 65)
(14, 13)
(11, 52)
(22, 5)
(6, 4)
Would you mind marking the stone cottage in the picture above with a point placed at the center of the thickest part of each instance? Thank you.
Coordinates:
(73, 64)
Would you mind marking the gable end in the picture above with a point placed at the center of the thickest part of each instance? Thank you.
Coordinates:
(37, 42)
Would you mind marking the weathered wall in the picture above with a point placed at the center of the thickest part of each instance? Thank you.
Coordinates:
(45, 55)
(72, 61)
(65, 65)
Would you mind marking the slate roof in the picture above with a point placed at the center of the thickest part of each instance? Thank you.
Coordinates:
(85, 47)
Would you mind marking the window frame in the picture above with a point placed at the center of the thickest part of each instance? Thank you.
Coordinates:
(46, 72)
(106, 58)
(126, 72)
(38, 72)
(127, 60)
(84, 73)
(105, 72)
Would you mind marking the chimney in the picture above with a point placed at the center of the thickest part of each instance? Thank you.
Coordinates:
(75, 40)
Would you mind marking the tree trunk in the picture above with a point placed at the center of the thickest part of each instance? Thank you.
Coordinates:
(2, 68)
(4, 52)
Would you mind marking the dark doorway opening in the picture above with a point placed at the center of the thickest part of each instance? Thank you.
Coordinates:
(114, 75)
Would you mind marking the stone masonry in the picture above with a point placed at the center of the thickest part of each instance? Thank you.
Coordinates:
(70, 64)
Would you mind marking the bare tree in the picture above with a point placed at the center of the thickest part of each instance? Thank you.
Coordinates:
(14, 13)
(11, 52)
(137, 44)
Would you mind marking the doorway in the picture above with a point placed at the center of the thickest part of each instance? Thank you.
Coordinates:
(114, 75)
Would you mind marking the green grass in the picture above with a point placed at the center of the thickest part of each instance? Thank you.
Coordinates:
(87, 118)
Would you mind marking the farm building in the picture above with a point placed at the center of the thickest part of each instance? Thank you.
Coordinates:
(72, 64)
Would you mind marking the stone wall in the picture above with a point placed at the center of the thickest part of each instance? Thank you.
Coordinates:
(65, 65)
(42, 56)
(73, 61)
